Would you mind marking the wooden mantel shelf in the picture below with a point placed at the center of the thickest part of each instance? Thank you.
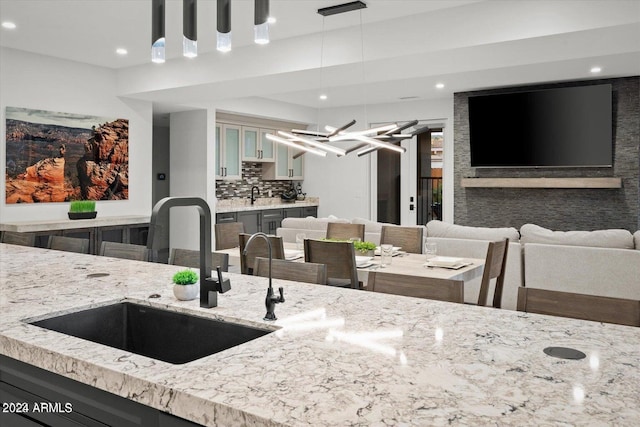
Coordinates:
(605, 182)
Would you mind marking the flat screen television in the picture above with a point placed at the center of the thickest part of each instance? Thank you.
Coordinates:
(565, 127)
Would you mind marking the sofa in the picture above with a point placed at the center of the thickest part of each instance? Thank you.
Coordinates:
(599, 263)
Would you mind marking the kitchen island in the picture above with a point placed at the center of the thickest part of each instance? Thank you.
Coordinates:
(337, 357)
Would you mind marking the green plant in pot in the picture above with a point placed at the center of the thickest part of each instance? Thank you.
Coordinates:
(82, 209)
(185, 285)
(364, 248)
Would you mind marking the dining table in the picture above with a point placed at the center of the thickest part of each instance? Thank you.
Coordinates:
(403, 263)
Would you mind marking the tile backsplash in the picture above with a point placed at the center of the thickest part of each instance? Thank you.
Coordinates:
(251, 175)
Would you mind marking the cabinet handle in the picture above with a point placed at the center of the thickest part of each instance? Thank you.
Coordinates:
(259, 154)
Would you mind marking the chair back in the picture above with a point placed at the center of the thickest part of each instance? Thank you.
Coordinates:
(227, 235)
(494, 268)
(408, 238)
(69, 244)
(22, 239)
(417, 287)
(191, 258)
(124, 251)
(258, 248)
(339, 258)
(579, 306)
(344, 231)
(307, 272)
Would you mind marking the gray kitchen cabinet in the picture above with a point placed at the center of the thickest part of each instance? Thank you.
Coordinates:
(309, 211)
(292, 212)
(271, 220)
(251, 220)
(69, 403)
(226, 217)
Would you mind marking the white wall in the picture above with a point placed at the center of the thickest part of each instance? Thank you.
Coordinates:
(41, 82)
(344, 183)
(192, 136)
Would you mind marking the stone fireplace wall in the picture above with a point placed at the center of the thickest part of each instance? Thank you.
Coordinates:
(558, 209)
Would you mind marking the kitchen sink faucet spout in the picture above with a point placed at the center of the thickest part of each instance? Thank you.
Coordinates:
(253, 198)
(209, 287)
(271, 300)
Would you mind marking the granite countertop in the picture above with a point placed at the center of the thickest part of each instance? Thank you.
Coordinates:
(338, 357)
(241, 205)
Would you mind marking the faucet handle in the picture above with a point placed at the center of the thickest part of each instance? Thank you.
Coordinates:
(281, 290)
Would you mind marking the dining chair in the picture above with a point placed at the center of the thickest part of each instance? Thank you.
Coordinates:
(307, 272)
(227, 235)
(344, 231)
(22, 239)
(69, 244)
(579, 306)
(417, 287)
(258, 248)
(124, 251)
(494, 267)
(191, 258)
(408, 238)
(339, 258)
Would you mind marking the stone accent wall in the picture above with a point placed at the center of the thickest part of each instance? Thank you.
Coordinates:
(251, 175)
(558, 209)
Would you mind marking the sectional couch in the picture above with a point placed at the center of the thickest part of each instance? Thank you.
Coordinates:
(600, 263)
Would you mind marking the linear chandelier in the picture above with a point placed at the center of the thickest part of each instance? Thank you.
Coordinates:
(369, 140)
(190, 27)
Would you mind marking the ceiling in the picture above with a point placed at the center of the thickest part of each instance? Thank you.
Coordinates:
(392, 51)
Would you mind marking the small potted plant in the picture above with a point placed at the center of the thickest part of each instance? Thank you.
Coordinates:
(82, 209)
(185, 285)
(364, 248)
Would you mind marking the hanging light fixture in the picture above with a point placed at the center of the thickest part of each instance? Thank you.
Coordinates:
(190, 28)
(261, 21)
(157, 31)
(279, 140)
(224, 25)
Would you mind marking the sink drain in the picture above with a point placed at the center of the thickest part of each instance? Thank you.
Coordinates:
(564, 353)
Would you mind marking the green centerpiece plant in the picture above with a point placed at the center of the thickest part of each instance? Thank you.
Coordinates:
(185, 285)
(365, 248)
(82, 209)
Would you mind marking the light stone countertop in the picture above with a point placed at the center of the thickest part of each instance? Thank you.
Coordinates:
(340, 356)
(242, 205)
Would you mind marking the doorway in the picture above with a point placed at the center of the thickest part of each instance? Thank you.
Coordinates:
(408, 187)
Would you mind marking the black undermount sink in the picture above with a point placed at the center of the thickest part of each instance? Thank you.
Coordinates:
(160, 334)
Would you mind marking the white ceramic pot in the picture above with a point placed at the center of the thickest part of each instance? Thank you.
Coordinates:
(186, 292)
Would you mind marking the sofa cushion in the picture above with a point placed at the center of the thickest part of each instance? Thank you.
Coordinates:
(438, 228)
(636, 239)
(621, 239)
(311, 223)
(370, 226)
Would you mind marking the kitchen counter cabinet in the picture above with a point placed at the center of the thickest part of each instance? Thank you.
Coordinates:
(252, 220)
(337, 356)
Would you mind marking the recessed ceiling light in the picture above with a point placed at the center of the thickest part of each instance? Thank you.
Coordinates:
(439, 85)
(8, 25)
(121, 51)
(596, 69)
(271, 20)
(323, 97)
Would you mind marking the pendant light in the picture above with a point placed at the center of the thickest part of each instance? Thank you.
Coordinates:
(261, 21)
(224, 25)
(190, 28)
(157, 31)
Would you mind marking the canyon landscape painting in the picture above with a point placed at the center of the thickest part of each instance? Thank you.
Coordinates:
(58, 157)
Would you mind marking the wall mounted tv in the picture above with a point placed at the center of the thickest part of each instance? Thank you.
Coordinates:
(563, 127)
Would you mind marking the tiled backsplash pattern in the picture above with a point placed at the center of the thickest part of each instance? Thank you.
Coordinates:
(251, 175)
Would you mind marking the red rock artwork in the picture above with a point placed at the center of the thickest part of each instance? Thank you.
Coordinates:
(57, 157)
